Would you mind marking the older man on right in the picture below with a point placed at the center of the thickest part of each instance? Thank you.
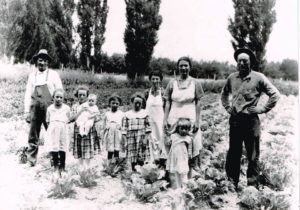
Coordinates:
(246, 86)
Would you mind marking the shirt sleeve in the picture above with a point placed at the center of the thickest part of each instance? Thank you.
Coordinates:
(225, 94)
(168, 91)
(28, 92)
(48, 115)
(199, 93)
(270, 90)
(57, 81)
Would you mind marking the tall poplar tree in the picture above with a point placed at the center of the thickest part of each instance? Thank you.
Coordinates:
(85, 13)
(92, 16)
(143, 22)
(42, 24)
(101, 10)
(251, 26)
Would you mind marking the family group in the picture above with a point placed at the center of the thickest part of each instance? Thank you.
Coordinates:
(162, 125)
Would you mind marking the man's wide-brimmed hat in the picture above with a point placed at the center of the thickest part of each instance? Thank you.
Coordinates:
(43, 53)
(247, 51)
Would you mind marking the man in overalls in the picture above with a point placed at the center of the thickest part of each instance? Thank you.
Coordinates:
(38, 96)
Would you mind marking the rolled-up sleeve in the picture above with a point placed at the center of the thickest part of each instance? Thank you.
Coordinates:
(225, 94)
(270, 90)
(28, 93)
(57, 81)
(199, 93)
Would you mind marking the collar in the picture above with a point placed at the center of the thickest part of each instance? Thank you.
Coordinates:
(39, 72)
(152, 91)
(246, 78)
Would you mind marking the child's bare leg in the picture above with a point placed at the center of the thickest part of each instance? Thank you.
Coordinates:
(80, 163)
(178, 180)
(184, 179)
(172, 177)
(87, 163)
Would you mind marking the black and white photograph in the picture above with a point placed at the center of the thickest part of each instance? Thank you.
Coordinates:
(149, 104)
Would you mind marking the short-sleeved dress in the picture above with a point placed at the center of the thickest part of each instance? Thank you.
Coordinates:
(135, 125)
(56, 135)
(178, 157)
(85, 147)
(112, 135)
(182, 94)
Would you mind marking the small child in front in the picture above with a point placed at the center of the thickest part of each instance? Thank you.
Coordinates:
(57, 117)
(88, 114)
(178, 157)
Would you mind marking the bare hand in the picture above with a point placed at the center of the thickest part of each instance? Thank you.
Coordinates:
(255, 110)
(146, 139)
(195, 128)
(230, 110)
(166, 126)
(84, 109)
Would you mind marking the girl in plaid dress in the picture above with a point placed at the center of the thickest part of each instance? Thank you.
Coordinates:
(136, 130)
(85, 147)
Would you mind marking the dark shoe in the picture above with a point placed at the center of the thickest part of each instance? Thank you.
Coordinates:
(235, 184)
(252, 181)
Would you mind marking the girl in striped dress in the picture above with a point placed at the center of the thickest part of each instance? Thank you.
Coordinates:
(136, 131)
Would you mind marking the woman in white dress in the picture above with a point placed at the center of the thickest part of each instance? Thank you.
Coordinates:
(155, 108)
(182, 97)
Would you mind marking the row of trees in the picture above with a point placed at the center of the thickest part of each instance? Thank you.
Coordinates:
(28, 25)
(287, 69)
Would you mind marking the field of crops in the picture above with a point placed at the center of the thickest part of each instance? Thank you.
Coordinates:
(102, 188)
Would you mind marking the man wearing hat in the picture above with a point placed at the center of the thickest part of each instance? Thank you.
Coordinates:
(245, 86)
(38, 96)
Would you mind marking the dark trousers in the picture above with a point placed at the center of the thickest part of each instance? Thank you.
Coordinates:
(37, 119)
(59, 160)
(243, 128)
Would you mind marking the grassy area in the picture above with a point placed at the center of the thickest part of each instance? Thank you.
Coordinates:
(13, 80)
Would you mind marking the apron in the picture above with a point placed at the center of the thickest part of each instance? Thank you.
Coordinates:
(40, 100)
(155, 111)
(183, 106)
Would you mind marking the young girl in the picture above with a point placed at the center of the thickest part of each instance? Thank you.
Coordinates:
(177, 162)
(84, 147)
(112, 125)
(57, 117)
(86, 119)
(135, 132)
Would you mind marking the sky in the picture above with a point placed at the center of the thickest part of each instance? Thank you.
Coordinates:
(198, 28)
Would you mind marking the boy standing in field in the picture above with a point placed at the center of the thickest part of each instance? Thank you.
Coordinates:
(246, 87)
(38, 96)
